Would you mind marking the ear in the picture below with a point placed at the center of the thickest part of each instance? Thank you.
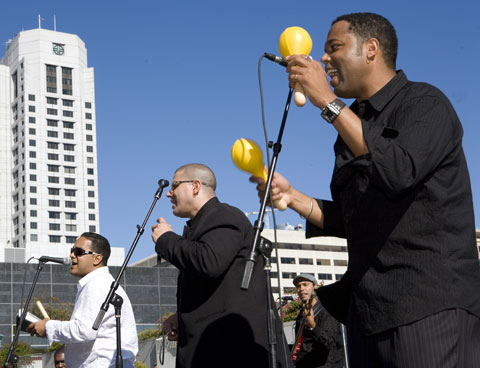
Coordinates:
(372, 49)
(97, 259)
(196, 187)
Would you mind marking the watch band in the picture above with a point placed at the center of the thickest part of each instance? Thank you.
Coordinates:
(332, 110)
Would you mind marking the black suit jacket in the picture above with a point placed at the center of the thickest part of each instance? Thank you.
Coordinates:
(220, 325)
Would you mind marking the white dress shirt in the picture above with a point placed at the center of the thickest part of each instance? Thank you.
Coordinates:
(85, 347)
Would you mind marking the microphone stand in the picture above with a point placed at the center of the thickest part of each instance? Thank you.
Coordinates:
(258, 226)
(258, 247)
(115, 299)
(11, 356)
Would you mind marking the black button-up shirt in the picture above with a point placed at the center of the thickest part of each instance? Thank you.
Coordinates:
(405, 209)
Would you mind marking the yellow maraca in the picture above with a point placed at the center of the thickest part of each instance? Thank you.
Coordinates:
(247, 155)
(296, 40)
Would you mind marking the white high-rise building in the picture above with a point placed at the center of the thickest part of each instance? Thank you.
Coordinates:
(48, 153)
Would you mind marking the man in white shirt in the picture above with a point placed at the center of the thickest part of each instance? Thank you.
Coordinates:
(85, 347)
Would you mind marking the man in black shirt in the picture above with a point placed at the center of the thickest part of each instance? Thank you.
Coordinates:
(318, 336)
(401, 196)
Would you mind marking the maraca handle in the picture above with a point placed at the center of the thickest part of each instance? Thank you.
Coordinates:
(280, 204)
(299, 96)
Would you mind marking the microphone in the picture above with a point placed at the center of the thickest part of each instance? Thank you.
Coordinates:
(65, 261)
(275, 58)
(162, 183)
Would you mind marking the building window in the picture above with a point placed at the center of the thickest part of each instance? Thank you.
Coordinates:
(89, 148)
(31, 97)
(52, 101)
(33, 166)
(91, 194)
(305, 261)
(91, 216)
(70, 216)
(32, 143)
(287, 260)
(289, 275)
(31, 108)
(92, 228)
(33, 201)
(53, 156)
(68, 147)
(89, 126)
(69, 169)
(52, 111)
(52, 134)
(89, 137)
(69, 158)
(33, 189)
(52, 145)
(33, 177)
(68, 135)
(70, 239)
(55, 227)
(70, 204)
(33, 237)
(340, 262)
(324, 276)
(54, 203)
(32, 154)
(53, 168)
(53, 215)
(33, 213)
(31, 131)
(89, 160)
(90, 182)
(31, 119)
(91, 205)
(51, 78)
(67, 81)
(68, 103)
(69, 227)
(338, 276)
(53, 191)
(90, 171)
(52, 123)
(70, 181)
(323, 262)
(68, 114)
(88, 116)
(88, 105)
(33, 225)
(54, 179)
(54, 238)
(70, 192)
(68, 124)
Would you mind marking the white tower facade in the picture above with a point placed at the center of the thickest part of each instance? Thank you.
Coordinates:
(48, 151)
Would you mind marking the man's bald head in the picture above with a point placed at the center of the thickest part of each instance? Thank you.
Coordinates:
(200, 172)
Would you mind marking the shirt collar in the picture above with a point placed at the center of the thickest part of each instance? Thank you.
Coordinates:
(83, 281)
(210, 203)
(380, 99)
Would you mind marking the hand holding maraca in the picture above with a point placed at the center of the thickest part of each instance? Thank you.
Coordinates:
(247, 155)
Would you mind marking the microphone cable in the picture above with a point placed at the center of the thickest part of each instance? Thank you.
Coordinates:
(267, 145)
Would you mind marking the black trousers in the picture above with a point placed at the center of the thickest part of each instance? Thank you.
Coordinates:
(448, 339)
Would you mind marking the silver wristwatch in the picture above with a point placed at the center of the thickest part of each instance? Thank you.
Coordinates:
(332, 110)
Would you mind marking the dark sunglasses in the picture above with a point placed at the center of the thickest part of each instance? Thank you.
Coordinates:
(78, 252)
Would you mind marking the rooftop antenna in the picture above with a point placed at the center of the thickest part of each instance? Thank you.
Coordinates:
(40, 21)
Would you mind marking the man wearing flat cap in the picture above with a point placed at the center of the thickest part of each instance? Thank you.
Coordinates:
(318, 336)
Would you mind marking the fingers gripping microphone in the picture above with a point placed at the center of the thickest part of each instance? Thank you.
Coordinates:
(65, 261)
(295, 40)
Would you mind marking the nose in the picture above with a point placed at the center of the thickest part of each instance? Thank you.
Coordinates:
(325, 58)
(170, 193)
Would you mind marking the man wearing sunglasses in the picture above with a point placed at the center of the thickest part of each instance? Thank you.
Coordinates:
(217, 324)
(85, 347)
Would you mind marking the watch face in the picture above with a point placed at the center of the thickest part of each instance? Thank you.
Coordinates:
(58, 49)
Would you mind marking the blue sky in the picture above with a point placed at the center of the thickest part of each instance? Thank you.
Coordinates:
(177, 82)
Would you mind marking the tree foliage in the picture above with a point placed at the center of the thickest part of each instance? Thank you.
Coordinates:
(22, 350)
